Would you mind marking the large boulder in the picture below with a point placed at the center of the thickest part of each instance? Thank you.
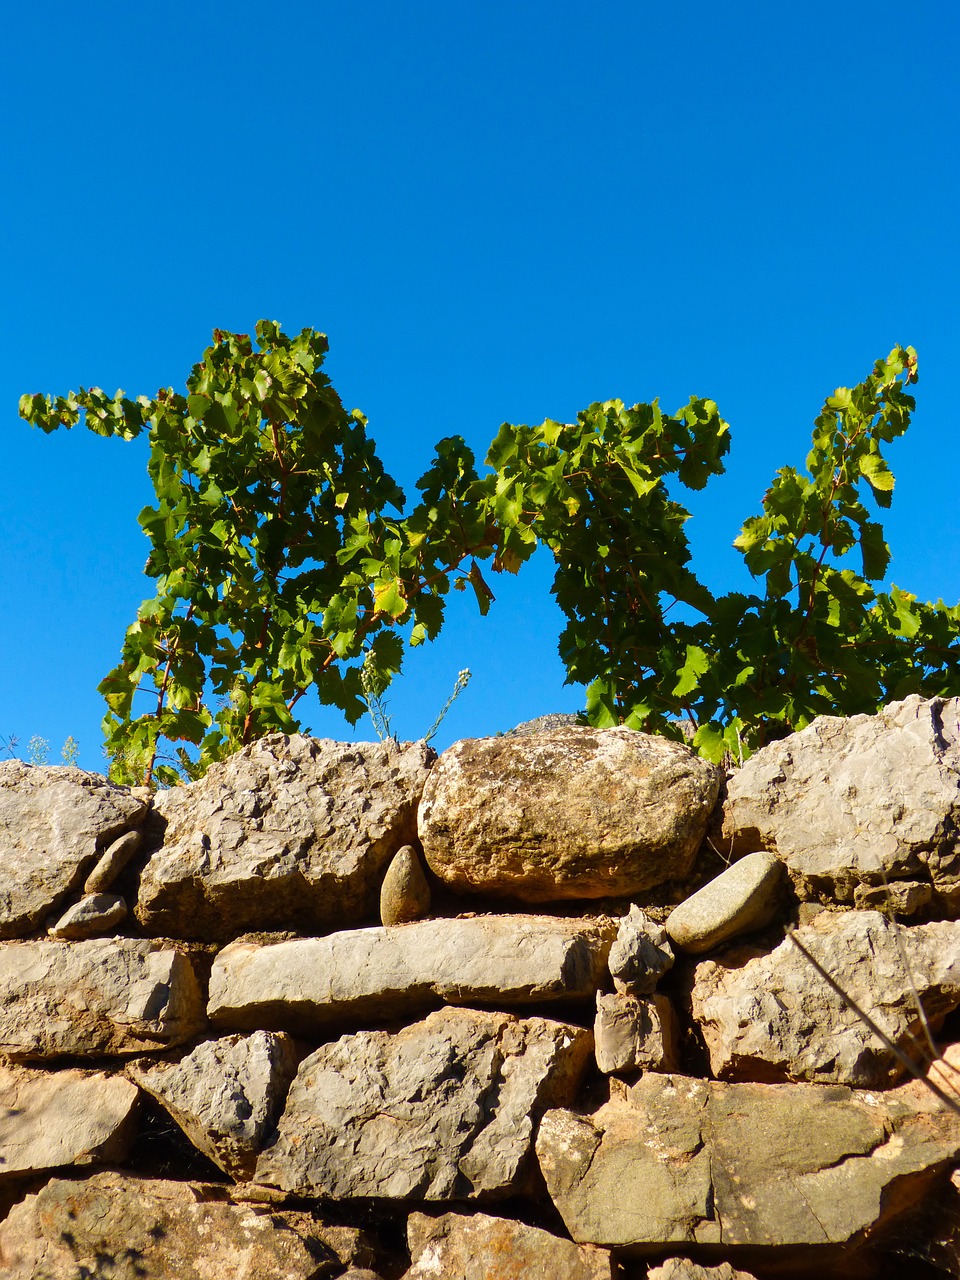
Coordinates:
(95, 998)
(288, 833)
(365, 976)
(54, 824)
(129, 1228)
(849, 802)
(675, 1160)
(773, 1017)
(444, 1109)
(572, 813)
(52, 1119)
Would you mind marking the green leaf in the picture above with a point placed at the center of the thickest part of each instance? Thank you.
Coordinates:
(697, 664)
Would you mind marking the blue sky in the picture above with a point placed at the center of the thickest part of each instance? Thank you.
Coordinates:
(497, 212)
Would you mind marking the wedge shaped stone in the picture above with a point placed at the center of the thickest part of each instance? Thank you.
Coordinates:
(571, 813)
(444, 1109)
(742, 898)
(225, 1094)
(52, 1119)
(288, 833)
(54, 823)
(95, 998)
(380, 974)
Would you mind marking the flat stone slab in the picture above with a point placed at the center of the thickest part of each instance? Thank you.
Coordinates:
(773, 1017)
(744, 897)
(288, 833)
(226, 1094)
(379, 974)
(52, 1119)
(444, 1109)
(480, 1247)
(54, 822)
(95, 913)
(95, 998)
(571, 813)
(130, 1228)
(674, 1160)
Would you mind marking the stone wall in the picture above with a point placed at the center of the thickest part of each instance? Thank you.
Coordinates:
(535, 1008)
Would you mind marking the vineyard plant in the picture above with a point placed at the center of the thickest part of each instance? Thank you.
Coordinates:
(286, 560)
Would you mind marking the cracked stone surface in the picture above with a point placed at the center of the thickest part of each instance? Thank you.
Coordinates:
(480, 1247)
(443, 1109)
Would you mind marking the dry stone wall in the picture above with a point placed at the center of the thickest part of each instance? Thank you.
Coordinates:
(529, 1010)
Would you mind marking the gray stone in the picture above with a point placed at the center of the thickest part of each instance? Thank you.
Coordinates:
(773, 1017)
(674, 1160)
(741, 899)
(640, 955)
(481, 1247)
(288, 833)
(52, 1119)
(854, 801)
(95, 913)
(129, 1228)
(572, 813)
(404, 894)
(53, 823)
(370, 975)
(113, 862)
(95, 998)
(226, 1095)
(443, 1109)
(635, 1033)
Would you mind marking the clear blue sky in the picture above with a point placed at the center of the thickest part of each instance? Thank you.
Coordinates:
(496, 212)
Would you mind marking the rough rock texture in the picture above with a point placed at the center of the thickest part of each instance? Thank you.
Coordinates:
(99, 997)
(443, 1109)
(896, 897)
(49, 1119)
(772, 1017)
(95, 913)
(573, 813)
(369, 974)
(479, 1247)
(846, 801)
(290, 832)
(225, 1095)
(744, 897)
(634, 1033)
(114, 1227)
(53, 823)
(684, 1269)
(641, 954)
(404, 894)
(678, 1160)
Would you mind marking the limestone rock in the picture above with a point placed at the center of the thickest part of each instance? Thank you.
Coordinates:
(742, 898)
(288, 833)
(633, 1033)
(680, 1161)
(53, 822)
(640, 955)
(51, 1119)
(95, 998)
(443, 1109)
(128, 1228)
(369, 975)
(772, 1017)
(896, 897)
(404, 894)
(95, 913)
(226, 1095)
(480, 1247)
(684, 1269)
(572, 813)
(111, 863)
(847, 801)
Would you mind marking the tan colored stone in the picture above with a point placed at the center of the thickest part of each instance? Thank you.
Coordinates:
(404, 894)
(112, 863)
(741, 899)
(572, 813)
(94, 914)
(480, 1247)
(636, 1033)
